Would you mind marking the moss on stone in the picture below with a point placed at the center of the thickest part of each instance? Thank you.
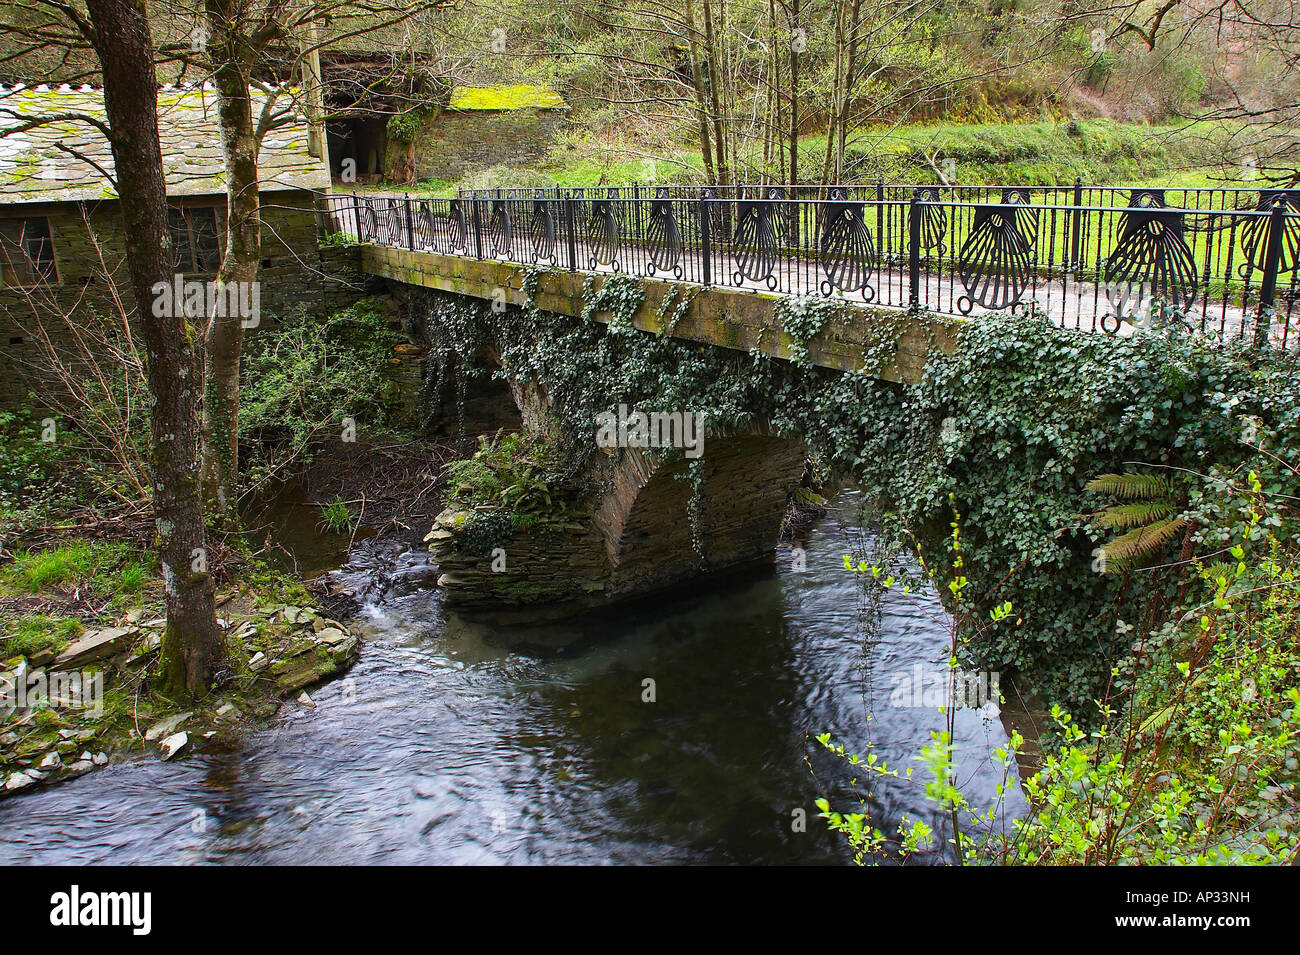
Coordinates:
(519, 96)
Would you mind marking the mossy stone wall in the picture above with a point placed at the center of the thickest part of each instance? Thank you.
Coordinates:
(88, 243)
(457, 142)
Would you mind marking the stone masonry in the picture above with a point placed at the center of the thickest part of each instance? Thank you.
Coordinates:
(296, 271)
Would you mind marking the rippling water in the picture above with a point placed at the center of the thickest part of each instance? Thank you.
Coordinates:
(454, 742)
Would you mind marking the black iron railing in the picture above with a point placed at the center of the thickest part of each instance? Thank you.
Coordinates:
(1098, 258)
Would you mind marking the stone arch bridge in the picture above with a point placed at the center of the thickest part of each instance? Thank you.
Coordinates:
(904, 269)
(643, 532)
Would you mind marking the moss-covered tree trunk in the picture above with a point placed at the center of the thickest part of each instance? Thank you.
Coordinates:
(232, 59)
(192, 645)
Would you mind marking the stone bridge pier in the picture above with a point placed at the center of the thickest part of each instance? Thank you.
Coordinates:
(647, 524)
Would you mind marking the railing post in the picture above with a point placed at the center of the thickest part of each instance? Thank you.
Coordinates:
(706, 246)
(914, 251)
(1272, 263)
(880, 217)
(324, 216)
(1076, 222)
(478, 231)
(356, 215)
(410, 225)
(571, 233)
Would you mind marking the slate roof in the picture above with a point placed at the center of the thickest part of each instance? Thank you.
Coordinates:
(33, 167)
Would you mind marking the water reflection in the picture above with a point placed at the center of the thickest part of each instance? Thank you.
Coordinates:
(456, 742)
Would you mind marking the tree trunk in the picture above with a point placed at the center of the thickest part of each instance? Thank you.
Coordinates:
(794, 94)
(721, 150)
(837, 42)
(192, 650)
(775, 152)
(697, 81)
(846, 91)
(224, 335)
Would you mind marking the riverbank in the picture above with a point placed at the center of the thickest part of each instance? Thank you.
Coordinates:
(82, 619)
(88, 704)
(81, 596)
(82, 614)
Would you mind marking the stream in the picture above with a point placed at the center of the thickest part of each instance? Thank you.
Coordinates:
(454, 742)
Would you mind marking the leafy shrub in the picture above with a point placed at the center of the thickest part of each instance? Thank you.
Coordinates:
(1197, 767)
(1193, 766)
(299, 380)
(28, 474)
(510, 473)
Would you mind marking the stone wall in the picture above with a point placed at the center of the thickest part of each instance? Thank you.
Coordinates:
(457, 142)
(90, 260)
(633, 535)
(647, 523)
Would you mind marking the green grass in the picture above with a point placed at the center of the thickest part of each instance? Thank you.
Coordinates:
(106, 568)
(1101, 151)
(425, 188)
(131, 577)
(590, 172)
(46, 569)
(30, 635)
(336, 517)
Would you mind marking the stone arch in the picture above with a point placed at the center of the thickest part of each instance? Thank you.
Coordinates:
(635, 537)
(645, 521)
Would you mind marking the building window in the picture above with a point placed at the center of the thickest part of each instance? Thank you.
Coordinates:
(195, 238)
(26, 251)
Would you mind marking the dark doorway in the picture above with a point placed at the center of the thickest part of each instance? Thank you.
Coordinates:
(362, 139)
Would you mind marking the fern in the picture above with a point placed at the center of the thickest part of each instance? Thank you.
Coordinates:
(1150, 523)
(1142, 543)
(1124, 516)
(1131, 486)
(1157, 720)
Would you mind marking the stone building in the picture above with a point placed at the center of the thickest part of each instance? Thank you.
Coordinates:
(61, 243)
(481, 126)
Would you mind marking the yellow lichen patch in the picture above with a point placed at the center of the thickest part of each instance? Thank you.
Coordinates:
(520, 96)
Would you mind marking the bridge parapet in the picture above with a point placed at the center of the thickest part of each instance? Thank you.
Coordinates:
(889, 344)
